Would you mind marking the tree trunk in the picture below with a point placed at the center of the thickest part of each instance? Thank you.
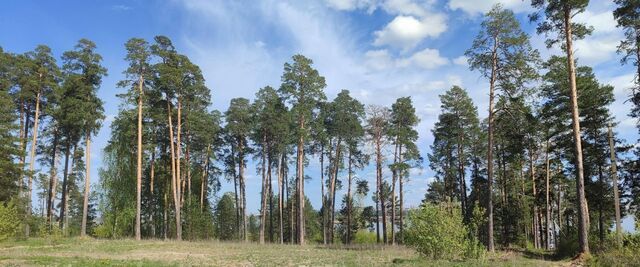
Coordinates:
(139, 160)
(393, 193)
(204, 181)
(494, 56)
(242, 190)
(401, 192)
(300, 162)
(461, 174)
(323, 198)
(174, 180)
(53, 183)
(263, 203)
(280, 202)
(349, 200)
(614, 177)
(547, 207)
(65, 175)
(270, 184)
(536, 223)
(34, 143)
(381, 198)
(87, 179)
(334, 179)
(583, 210)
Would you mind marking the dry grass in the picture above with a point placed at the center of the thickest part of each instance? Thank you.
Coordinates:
(91, 252)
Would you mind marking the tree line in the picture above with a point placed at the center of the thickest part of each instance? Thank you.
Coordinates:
(543, 166)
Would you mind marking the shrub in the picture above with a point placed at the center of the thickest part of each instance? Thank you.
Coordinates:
(438, 232)
(365, 237)
(567, 243)
(9, 221)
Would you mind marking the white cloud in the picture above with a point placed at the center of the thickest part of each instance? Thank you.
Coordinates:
(426, 59)
(461, 61)
(602, 22)
(378, 59)
(405, 7)
(476, 7)
(407, 31)
(596, 49)
(602, 44)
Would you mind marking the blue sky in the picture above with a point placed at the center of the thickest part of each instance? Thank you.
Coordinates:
(378, 49)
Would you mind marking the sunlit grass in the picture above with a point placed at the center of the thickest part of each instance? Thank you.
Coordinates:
(126, 252)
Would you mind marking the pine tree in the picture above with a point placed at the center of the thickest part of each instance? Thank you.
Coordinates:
(453, 139)
(558, 16)
(138, 55)
(80, 108)
(302, 86)
(503, 54)
(402, 131)
(377, 130)
(9, 142)
(239, 123)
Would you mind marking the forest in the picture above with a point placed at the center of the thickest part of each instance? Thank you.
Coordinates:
(545, 173)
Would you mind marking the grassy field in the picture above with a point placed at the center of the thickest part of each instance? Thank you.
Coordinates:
(91, 252)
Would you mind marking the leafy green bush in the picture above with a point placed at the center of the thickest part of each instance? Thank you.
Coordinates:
(437, 232)
(9, 221)
(365, 237)
(616, 257)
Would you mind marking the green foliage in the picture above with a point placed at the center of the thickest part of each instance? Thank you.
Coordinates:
(365, 237)
(198, 222)
(437, 232)
(501, 37)
(454, 135)
(9, 220)
(225, 218)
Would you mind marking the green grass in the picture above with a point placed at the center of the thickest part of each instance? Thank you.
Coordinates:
(95, 252)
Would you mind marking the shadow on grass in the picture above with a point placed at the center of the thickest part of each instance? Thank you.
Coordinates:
(357, 247)
(539, 254)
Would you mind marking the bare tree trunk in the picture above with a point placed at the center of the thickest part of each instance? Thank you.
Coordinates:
(87, 179)
(204, 181)
(381, 198)
(242, 190)
(333, 189)
(175, 184)
(536, 223)
(323, 198)
(34, 143)
(349, 200)
(270, 184)
(151, 188)
(280, 202)
(393, 194)
(300, 162)
(583, 210)
(139, 160)
(461, 173)
(614, 177)
(53, 183)
(165, 220)
(263, 203)
(547, 207)
(188, 167)
(401, 192)
(65, 175)
(490, 241)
